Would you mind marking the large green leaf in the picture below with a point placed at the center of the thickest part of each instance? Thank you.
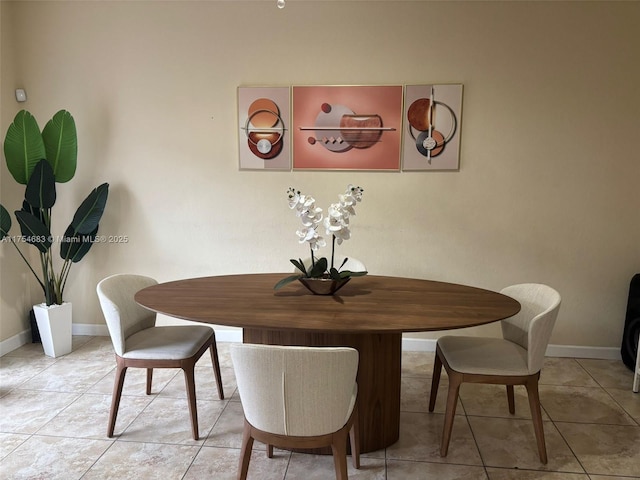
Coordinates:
(5, 222)
(75, 246)
(35, 211)
(23, 146)
(87, 217)
(41, 189)
(61, 145)
(34, 231)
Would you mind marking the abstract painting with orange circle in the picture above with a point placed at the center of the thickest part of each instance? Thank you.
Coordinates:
(263, 117)
(346, 127)
(432, 127)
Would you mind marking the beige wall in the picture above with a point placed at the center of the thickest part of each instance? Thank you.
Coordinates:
(547, 190)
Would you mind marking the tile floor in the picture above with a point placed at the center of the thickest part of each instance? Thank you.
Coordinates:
(53, 417)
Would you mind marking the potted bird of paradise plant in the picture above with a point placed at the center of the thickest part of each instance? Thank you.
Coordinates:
(39, 160)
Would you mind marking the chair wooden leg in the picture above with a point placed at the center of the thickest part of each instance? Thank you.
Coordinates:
(455, 379)
(511, 400)
(354, 438)
(216, 368)
(339, 449)
(269, 450)
(435, 381)
(149, 380)
(245, 451)
(121, 371)
(536, 415)
(189, 379)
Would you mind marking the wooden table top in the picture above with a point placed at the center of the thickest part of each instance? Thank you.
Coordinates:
(372, 304)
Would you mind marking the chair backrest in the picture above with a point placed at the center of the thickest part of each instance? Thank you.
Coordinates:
(296, 391)
(531, 327)
(123, 315)
(352, 264)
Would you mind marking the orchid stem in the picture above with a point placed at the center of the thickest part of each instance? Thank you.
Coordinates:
(313, 260)
(333, 248)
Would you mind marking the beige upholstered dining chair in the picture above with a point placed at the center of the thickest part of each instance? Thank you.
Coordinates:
(139, 343)
(298, 397)
(515, 359)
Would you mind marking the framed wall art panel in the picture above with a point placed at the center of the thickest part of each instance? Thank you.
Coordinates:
(263, 128)
(432, 117)
(346, 127)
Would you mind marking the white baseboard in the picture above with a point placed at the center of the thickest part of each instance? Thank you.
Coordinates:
(24, 337)
(408, 344)
(10, 344)
(89, 329)
(234, 336)
(576, 351)
(572, 351)
(418, 344)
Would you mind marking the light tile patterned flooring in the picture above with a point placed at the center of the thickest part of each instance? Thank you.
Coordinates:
(53, 417)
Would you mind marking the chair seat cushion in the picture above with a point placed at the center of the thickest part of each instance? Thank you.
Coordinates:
(169, 343)
(484, 356)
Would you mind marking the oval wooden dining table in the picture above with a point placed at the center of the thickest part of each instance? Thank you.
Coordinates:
(369, 313)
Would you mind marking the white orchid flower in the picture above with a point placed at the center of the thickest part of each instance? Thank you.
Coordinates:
(334, 221)
(356, 192)
(347, 202)
(311, 235)
(343, 234)
(311, 216)
(337, 223)
(294, 198)
(308, 201)
(349, 199)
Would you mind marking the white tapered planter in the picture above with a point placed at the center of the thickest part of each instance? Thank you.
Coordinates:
(54, 324)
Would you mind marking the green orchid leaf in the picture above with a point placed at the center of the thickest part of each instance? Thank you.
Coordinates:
(346, 259)
(34, 231)
(319, 268)
(90, 211)
(5, 222)
(348, 273)
(75, 246)
(23, 146)
(286, 281)
(335, 274)
(61, 145)
(41, 189)
(299, 264)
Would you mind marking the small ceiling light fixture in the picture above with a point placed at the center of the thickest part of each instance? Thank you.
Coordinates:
(280, 4)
